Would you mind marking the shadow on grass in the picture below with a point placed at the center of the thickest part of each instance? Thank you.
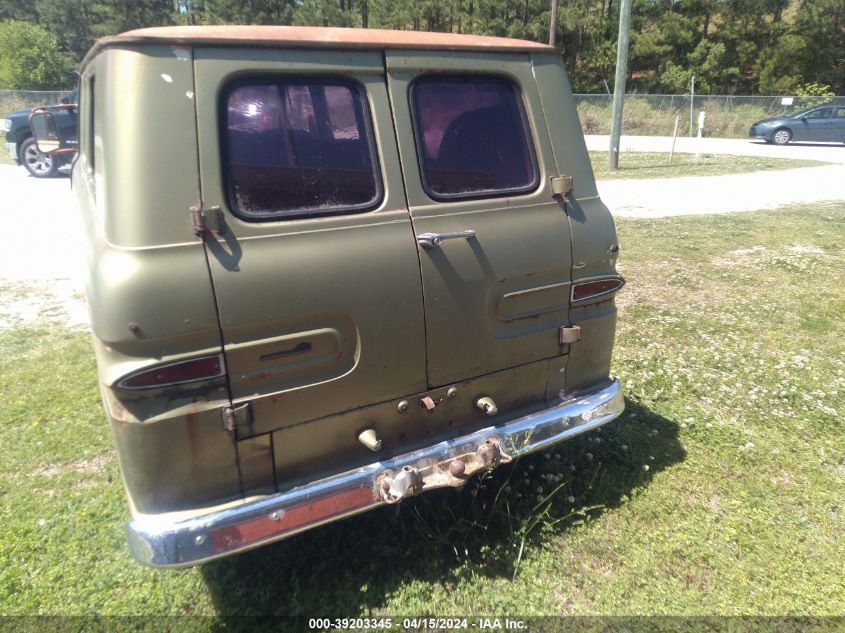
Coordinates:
(351, 567)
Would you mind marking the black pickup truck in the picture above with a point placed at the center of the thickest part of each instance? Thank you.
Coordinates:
(21, 145)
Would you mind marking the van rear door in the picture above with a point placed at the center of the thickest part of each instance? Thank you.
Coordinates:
(315, 270)
(493, 240)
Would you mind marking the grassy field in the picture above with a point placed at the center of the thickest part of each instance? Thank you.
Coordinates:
(657, 165)
(650, 116)
(720, 491)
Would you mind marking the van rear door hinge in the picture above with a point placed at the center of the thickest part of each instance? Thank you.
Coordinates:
(571, 334)
(561, 185)
(237, 417)
(210, 219)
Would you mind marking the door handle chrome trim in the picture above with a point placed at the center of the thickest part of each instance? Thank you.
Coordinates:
(433, 240)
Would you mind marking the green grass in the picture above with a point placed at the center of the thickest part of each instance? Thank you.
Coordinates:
(657, 165)
(719, 491)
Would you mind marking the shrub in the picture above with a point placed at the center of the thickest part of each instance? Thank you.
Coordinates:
(30, 58)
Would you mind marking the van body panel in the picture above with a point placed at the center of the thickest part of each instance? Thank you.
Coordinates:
(595, 247)
(180, 460)
(498, 299)
(146, 132)
(341, 293)
(142, 256)
(300, 459)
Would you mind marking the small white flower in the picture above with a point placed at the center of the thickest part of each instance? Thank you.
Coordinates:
(646, 467)
(42, 522)
(624, 447)
(570, 499)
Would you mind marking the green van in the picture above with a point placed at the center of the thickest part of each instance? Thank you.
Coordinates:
(330, 269)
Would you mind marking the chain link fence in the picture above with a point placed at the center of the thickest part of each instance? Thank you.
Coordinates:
(643, 115)
(654, 115)
(13, 100)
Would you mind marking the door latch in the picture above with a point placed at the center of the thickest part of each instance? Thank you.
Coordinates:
(570, 334)
(237, 417)
(561, 185)
(210, 219)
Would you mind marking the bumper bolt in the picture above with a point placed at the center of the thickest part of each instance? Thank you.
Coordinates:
(457, 467)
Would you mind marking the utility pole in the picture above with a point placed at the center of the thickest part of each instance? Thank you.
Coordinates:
(553, 24)
(619, 84)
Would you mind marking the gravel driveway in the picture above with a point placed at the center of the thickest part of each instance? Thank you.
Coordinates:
(42, 268)
(826, 152)
(723, 194)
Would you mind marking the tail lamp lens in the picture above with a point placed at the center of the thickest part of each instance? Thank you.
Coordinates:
(204, 368)
(591, 289)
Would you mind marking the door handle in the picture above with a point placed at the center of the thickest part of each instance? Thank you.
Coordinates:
(433, 240)
(301, 348)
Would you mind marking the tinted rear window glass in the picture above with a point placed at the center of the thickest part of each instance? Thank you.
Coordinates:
(472, 137)
(298, 148)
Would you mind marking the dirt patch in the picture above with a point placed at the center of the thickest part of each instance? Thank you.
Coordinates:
(798, 248)
(56, 301)
(83, 466)
(796, 255)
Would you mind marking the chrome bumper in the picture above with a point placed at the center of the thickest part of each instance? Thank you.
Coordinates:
(161, 542)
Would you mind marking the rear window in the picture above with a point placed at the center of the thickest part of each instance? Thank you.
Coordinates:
(472, 137)
(298, 148)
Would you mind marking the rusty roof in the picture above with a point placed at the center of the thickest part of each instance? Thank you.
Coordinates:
(316, 37)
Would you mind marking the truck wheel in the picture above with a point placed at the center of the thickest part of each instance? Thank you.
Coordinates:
(37, 164)
(782, 136)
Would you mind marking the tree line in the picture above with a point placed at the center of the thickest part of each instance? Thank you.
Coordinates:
(731, 46)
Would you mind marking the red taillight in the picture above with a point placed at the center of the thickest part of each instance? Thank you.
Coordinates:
(591, 289)
(204, 368)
